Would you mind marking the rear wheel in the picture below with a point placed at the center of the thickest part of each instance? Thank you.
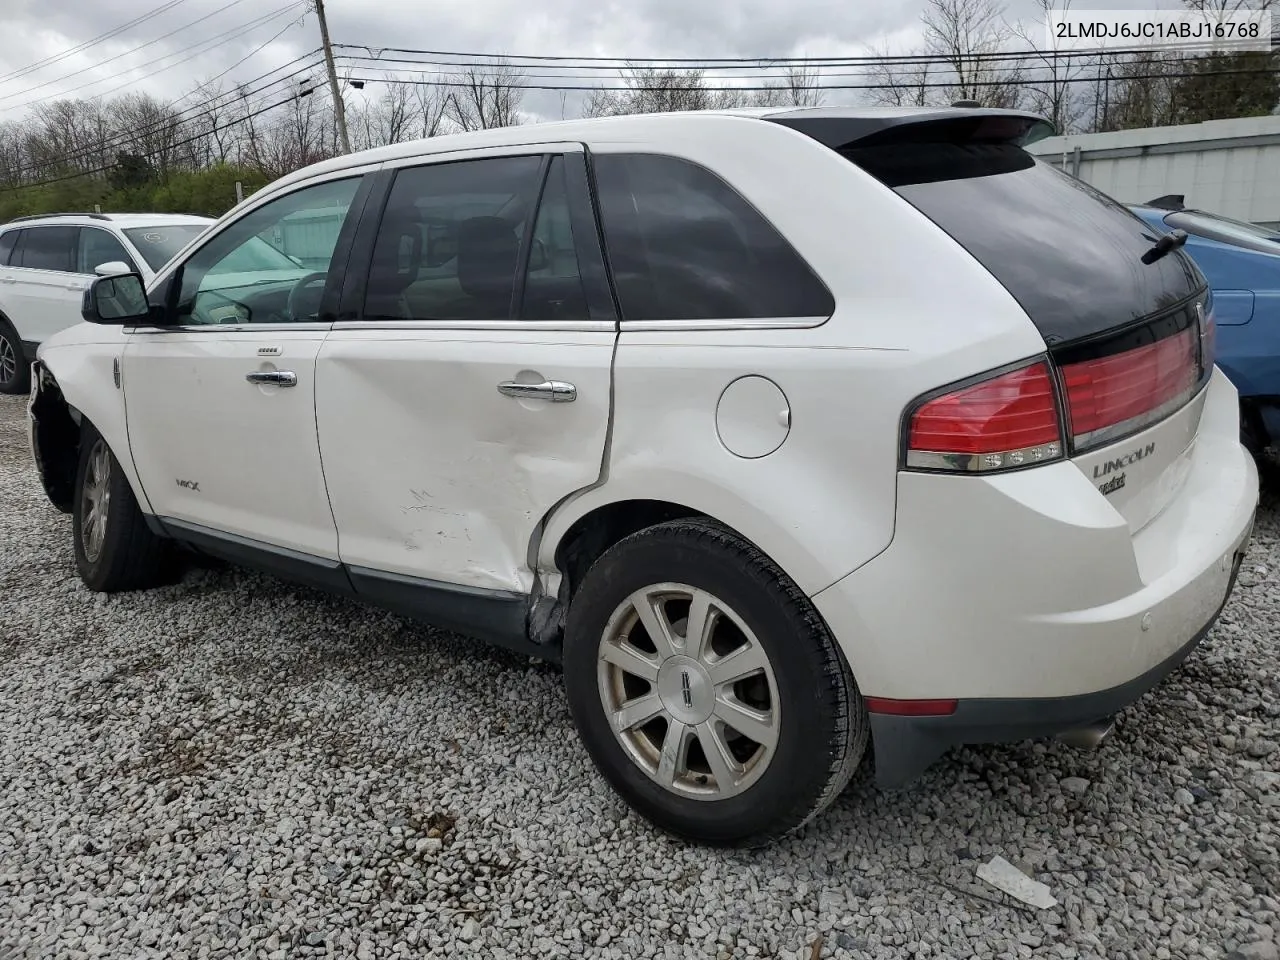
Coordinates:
(114, 548)
(707, 689)
(15, 372)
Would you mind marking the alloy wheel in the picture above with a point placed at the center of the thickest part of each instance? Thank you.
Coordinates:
(8, 360)
(95, 501)
(689, 691)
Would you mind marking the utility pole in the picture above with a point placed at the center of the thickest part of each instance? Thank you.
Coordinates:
(339, 111)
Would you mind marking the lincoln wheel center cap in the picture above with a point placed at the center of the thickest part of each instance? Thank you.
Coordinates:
(685, 689)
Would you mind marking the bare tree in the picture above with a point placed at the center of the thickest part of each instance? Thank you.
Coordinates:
(901, 83)
(1054, 93)
(661, 90)
(486, 97)
(798, 87)
(965, 34)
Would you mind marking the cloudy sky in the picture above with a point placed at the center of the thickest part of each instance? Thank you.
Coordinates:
(167, 47)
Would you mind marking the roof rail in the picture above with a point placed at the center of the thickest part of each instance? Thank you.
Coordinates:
(44, 216)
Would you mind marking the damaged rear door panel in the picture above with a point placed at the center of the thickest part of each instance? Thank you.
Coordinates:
(466, 388)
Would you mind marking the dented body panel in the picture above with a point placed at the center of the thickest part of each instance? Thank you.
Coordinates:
(434, 473)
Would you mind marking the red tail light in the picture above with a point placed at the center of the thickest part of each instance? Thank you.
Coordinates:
(1121, 393)
(1010, 420)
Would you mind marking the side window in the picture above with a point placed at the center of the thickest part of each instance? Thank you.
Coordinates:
(49, 248)
(97, 247)
(553, 285)
(269, 266)
(684, 245)
(449, 243)
(7, 240)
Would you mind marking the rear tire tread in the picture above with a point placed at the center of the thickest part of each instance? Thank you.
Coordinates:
(833, 685)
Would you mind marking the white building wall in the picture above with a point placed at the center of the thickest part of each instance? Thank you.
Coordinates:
(1231, 167)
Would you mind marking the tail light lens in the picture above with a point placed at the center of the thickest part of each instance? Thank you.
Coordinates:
(1009, 420)
(1116, 395)
(1021, 417)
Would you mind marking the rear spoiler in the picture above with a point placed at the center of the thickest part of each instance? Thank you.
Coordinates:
(840, 129)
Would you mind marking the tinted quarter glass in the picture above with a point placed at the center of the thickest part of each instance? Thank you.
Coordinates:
(449, 242)
(1071, 256)
(98, 247)
(553, 284)
(684, 245)
(7, 241)
(50, 248)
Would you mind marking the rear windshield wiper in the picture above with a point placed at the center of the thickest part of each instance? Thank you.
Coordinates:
(1167, 243)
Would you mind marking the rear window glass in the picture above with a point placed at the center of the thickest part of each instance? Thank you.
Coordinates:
(684, 245)
(7, 240)
(1225, 230)
(49, 248)
(1070, 255)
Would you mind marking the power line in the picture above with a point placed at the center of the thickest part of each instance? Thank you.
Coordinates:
(522, 74)
(181, 143)
(177, 121)
(229, 36)
(141, 46)
(57, 58)
(939, 85)
(724, 63)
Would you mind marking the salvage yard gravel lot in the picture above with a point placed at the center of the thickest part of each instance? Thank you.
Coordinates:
(235, 767)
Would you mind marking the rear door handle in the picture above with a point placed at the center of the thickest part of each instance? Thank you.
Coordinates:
(557, 391)
(279, 378)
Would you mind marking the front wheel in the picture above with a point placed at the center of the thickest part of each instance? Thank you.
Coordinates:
(114, 548)
(707, 689)
(15, 372)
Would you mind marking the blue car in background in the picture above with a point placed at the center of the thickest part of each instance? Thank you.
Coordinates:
(1242, 264)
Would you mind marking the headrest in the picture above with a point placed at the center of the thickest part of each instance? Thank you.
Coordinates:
(488, 250)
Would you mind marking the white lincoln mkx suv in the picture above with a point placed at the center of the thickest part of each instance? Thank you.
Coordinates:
(783, 431)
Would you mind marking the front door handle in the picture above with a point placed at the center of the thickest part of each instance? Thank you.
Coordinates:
(279, 378)
(557, 391)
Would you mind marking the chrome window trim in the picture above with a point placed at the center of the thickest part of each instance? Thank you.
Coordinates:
(145, 330)
(568, 326)
(744, 323)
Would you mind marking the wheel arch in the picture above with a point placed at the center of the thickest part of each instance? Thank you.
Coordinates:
(73, 388)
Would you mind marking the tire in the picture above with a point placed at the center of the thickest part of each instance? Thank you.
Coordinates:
(15, 372)
(115, 550)
(1253, 433)
(808, 723)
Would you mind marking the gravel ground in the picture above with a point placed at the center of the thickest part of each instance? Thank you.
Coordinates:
(233, 767)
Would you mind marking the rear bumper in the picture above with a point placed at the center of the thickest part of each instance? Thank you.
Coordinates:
(907, 746)
(1028, 600)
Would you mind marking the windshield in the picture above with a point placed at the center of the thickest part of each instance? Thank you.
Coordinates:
(158, 244)
(1224, 229)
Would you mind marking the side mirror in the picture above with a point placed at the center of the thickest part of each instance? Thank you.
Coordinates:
(116, 300)
(112, 268)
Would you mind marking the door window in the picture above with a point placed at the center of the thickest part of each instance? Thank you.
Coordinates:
(49, 248)
(269, 266)
(684, 245)
(450, 242)
(7, 240)
(553, 285)
(98, 247)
